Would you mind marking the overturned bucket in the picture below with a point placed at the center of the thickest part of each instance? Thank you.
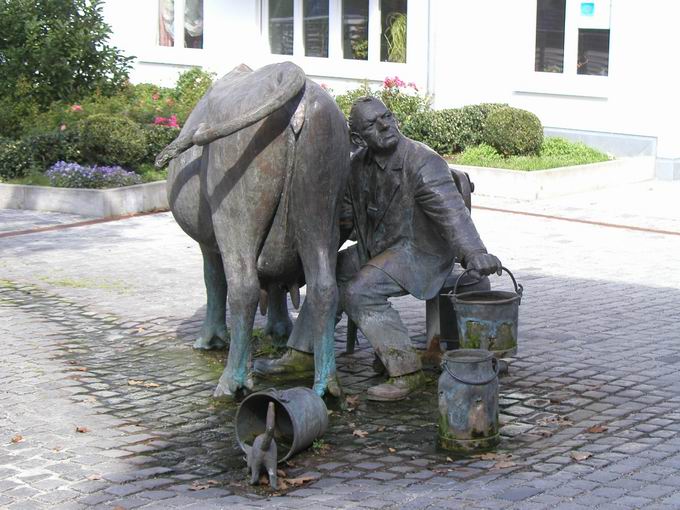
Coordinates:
(301, 417)
(487, 319)
(468, 401)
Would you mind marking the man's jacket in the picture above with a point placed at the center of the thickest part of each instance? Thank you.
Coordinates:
(409, 219)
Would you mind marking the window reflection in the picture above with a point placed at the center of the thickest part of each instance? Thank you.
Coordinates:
(550, 18)
(315, 13)
(193, 24)
(593, 52)
(166, 22)
(355, 29)
(281, 27)
(393, 22)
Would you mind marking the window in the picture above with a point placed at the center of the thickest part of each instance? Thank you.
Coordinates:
(393, 23)
(593, 52)
(189, 15)
(550, 15)
(281, 27)
(316, 28)
(369, 30)
(355, 29)
(572, 37)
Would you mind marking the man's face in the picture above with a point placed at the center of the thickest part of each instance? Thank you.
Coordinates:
(376, 125)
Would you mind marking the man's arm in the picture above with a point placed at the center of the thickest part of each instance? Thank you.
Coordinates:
(437, 195)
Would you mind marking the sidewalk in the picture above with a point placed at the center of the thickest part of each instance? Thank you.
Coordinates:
(104, 403)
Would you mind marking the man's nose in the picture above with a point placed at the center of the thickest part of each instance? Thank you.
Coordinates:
(382, 124)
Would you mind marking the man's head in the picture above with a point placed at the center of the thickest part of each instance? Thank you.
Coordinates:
(372, 125)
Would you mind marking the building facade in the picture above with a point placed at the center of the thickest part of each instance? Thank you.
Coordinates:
(597, 70)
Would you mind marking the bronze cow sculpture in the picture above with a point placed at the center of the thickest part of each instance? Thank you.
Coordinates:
(255, 177)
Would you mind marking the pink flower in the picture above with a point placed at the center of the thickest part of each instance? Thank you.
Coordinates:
(392, 83)
(167, 121)
(62, 127)
(155, 96)
(76, 108)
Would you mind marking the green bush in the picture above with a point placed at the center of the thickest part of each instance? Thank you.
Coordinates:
(48, 148)
(190, 88)
(437, 129)
(513, 132)
(157, 137)
(57, 50)
(112, 140)
(480, 155)
(15, 159)
(471, 122)
(346, 100)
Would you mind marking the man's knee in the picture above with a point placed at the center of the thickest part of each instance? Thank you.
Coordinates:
(353, 295)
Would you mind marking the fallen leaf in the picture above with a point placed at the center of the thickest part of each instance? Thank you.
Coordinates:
(579, 456)
(392, 450)
(80, 369)
(381, 428)
(82, 430)
(359, 433)
(503, 464)
(597, 429)
(449, 459)
(281, 473)
(352, 400)
(200, 486)
(140, 330)
(135, 382)
(118, 507)
(543, 432)
(301, 480)
(556, 420)
(57, 449)
(94, 477)
(17, 439)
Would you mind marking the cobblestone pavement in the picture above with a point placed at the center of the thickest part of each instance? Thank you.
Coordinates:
(104, 403)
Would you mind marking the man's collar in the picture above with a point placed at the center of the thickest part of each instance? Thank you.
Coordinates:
(391, 161)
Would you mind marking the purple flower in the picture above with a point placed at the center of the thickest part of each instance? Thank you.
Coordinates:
(72, 175)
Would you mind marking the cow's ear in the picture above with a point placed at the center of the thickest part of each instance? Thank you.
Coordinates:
(357, 139)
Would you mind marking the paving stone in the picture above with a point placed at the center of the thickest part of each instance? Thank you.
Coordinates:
(147, 445)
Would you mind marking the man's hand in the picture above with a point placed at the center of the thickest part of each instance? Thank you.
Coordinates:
(482, 264)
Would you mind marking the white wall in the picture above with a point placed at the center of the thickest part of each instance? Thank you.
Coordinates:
(231, 36)
(484, 52)
(462, 51)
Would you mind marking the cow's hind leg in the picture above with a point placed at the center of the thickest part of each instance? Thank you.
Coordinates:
(279, 324)
(214, 334)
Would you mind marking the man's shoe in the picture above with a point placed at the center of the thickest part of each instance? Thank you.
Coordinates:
(397, 388)
(293, 363)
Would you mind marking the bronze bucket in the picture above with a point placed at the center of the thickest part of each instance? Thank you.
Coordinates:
(487, 319)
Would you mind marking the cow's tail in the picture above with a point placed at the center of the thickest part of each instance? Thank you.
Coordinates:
(290, 79)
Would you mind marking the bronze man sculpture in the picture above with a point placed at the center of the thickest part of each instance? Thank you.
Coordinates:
(411, 224)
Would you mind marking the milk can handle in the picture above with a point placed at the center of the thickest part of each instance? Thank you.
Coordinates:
(494, 363)
(518, 286)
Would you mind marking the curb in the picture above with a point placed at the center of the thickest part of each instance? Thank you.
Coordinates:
(537, 184)
(101, 203)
